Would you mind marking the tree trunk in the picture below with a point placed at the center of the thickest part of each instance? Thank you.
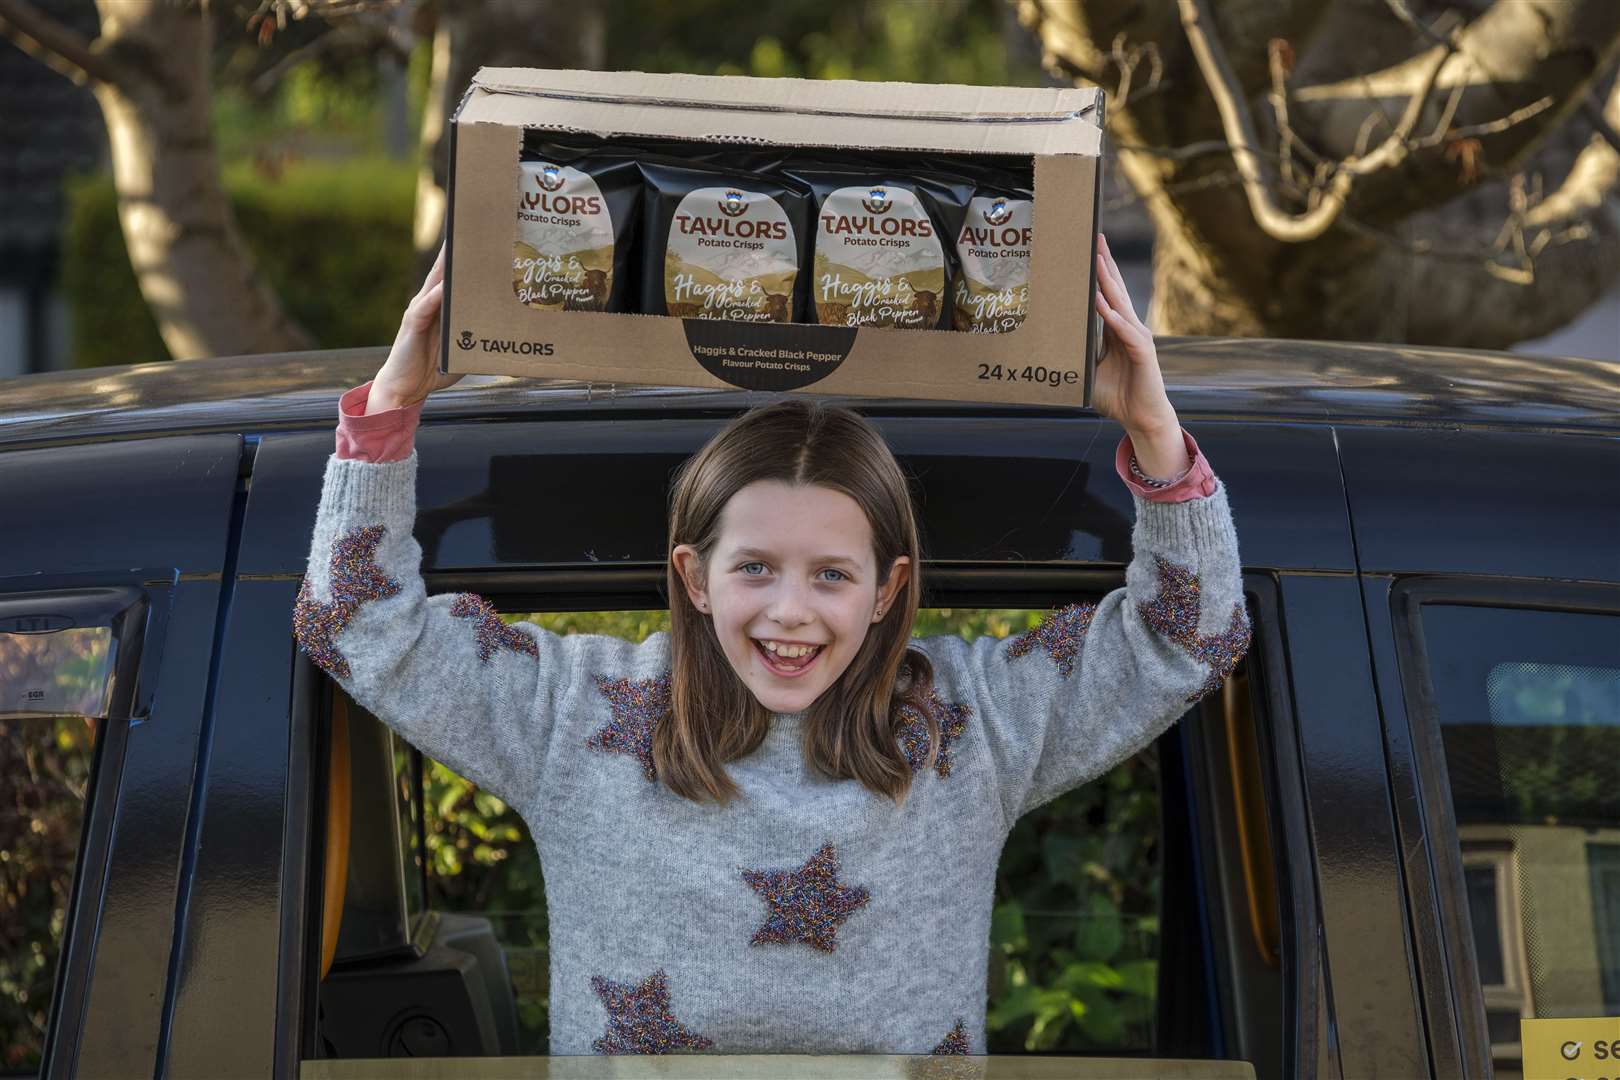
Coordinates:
(1429, 239)
(471, 34)
(193, 268)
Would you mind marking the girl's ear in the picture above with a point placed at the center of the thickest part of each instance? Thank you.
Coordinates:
(898, 575)
(690, 568)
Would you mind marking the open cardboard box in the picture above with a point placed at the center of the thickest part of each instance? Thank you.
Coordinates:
(1049, 359)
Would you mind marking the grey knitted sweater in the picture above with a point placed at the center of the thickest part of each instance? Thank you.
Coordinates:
(809, 916)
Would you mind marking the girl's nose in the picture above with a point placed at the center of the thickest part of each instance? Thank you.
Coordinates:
(788, 608)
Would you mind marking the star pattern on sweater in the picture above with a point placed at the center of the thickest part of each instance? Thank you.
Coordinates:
(492, 633)
(955, 1041)
(1175, 611)
(355, 578)
(806, 904)
(913, 733)
(639, 1018)
(638, 705)
(1061, 634)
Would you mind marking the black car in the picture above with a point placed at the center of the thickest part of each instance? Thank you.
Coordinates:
(1393, 834)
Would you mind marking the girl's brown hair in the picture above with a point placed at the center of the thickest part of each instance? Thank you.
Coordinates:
(850, 731)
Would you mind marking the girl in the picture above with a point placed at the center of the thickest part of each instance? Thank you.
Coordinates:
(776, 827)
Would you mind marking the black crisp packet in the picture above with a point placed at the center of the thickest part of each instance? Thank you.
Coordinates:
(722, 244)
(577, 219)
(883, 251)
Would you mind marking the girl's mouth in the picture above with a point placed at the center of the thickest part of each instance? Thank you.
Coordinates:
(787, 667)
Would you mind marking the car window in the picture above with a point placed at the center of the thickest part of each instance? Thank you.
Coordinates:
(52, 694)
(1076, 941)
(1528, 703)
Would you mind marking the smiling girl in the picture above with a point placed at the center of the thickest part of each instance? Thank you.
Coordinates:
(775, 828)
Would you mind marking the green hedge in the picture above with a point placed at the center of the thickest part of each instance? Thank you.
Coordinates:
(333, 239)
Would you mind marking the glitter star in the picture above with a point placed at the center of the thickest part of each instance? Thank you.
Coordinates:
(913, 733)
(955, 1042)
(1175, 612)
(638, 705)
(355, 578)
(1061, 634)
(806, 904)
(491, 632)
(639, 1020)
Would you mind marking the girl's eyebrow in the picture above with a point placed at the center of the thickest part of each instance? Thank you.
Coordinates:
(757, 553)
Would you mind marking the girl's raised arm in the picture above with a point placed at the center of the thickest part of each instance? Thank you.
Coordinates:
(444, 671)
(1097, 682)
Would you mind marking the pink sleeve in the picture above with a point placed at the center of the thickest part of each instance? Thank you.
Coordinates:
(385, 436)
(1196, 483)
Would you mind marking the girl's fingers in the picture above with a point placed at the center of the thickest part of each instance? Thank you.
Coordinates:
(1119, 279)
(1131, 336)
(436, 274)
(1112, 288)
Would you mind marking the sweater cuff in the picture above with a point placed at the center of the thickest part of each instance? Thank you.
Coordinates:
(1196, 527)
(381, 437)
(1196, 483)
(362, 489)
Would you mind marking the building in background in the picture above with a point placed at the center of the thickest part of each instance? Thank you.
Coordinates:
(49, 128)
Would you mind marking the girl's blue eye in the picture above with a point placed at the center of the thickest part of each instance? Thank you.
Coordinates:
(830, 570)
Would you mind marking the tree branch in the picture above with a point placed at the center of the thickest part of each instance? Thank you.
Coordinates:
(64, 51)
(1240, 132)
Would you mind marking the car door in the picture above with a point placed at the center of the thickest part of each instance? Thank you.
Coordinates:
(130, 539)
(1489, 573)
(1019, 513)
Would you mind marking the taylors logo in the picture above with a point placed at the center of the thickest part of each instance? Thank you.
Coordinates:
(998, 213)
(505, 345)
(877, 201)
(551, 177)
(734, 203)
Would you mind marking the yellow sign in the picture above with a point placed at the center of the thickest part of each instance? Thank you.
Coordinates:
(1572, 1049)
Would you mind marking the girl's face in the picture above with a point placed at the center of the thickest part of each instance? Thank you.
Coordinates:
(793, 567)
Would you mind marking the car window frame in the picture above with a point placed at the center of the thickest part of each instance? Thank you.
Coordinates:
(137, 618)
(1407, 597)
(946, 584)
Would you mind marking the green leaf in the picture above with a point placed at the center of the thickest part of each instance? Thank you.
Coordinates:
(1140, 977)
(1100, 934)
(1007, 925)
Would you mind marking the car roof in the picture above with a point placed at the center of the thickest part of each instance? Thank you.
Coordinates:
(1264, 380)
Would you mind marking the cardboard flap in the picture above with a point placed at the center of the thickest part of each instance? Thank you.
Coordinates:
(984, 119)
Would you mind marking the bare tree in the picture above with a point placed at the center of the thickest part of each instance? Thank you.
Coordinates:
(149, 71)
(1415, 171)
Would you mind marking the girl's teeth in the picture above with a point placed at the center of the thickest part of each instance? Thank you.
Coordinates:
(791, 652)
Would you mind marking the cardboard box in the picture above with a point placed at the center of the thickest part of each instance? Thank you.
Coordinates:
(1048, 359)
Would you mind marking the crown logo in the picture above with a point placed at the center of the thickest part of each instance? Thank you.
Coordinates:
(998, 212)
(734, 203)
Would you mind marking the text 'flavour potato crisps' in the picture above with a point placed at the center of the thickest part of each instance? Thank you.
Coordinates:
(576, 223)
(722, 244)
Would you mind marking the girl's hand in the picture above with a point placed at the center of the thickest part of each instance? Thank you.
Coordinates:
(411, 371)
(1128, 386)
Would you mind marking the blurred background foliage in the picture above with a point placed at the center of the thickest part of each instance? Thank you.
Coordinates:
(47, 763)
(322, 174)
(310, 223)
(1075, 927)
